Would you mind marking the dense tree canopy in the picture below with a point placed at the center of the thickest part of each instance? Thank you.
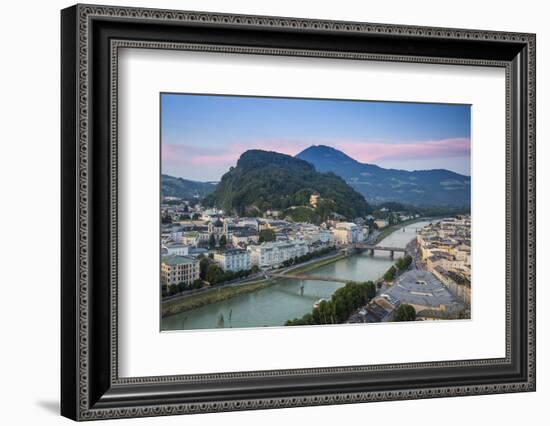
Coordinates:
(405, 312)
(268, 180)
(342, 304)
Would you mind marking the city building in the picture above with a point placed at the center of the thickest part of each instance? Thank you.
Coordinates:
(445, 248)
(457, 284)
(178, 269)
(347, 233)
(233, 260)
(178, 249)
(381, 223)
(272, 254)
(190, 238)
(273, 213)
(244, 236)
(210, 214)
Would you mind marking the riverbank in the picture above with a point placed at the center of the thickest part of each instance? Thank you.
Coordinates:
(314, 264)
(182, 304)
(391, 229)
(218, 294)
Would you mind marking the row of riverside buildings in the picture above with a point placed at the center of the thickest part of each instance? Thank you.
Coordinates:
(445, 248)
(182, 244)
(177, 268)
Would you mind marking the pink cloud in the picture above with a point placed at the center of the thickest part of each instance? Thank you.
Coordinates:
(366, 152)
(187, 160)
(227, 154)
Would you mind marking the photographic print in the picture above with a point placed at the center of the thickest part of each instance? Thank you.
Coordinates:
(280, 212)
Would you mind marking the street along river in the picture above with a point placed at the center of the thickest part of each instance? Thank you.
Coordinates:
(291, 298)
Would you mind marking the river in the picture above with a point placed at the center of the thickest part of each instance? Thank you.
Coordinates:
(290, 298)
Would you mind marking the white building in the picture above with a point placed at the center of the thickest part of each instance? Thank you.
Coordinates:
(190, 238)
(179, 269)
(233, 260)
(318, 235)
(347, 233)
(381, 223)
(267, 255)
(244, 237)
(177, 249)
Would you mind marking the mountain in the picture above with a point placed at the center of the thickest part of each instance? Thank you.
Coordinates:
(182, 188)
(437, 187)
(264, 180)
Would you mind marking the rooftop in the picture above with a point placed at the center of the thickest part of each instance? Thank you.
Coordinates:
(233, 252)
(175, 245)
(177, 260)
(420, 288)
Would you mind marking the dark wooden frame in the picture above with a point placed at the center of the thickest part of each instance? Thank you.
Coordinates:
(90, 386)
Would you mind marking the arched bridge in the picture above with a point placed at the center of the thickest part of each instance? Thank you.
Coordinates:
(372, 248)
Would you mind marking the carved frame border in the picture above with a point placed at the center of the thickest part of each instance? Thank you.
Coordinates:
(87, 12)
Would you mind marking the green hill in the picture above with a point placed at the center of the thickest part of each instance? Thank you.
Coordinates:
(265, 180)
(186, 189)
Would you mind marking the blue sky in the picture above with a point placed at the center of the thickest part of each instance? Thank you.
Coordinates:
(203, 135)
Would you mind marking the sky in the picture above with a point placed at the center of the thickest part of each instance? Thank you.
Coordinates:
(202, 136)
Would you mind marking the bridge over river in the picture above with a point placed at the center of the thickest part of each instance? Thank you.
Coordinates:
(357, 246)
(309, 277)
(372, 248)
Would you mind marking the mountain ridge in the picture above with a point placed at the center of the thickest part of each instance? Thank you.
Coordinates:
(432, 187)
(173, 186)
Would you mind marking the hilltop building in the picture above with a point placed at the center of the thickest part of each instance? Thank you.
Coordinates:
(314, 199)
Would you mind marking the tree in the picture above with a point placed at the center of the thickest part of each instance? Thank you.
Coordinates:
(266, 235)
(343, 303)
(255, 269)
(223, 242)
(390, 274)
(371, 289)
(212, 241)
(196, 216)
(403, 262)
(405, 312)
(214, 274)
(203, 265)
(166, 219)
(197, 284)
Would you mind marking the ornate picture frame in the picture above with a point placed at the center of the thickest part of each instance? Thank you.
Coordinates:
(91, 37)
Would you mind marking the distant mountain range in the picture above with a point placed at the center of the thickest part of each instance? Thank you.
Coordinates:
(264, 180)
(183, 188)
(436, 187)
